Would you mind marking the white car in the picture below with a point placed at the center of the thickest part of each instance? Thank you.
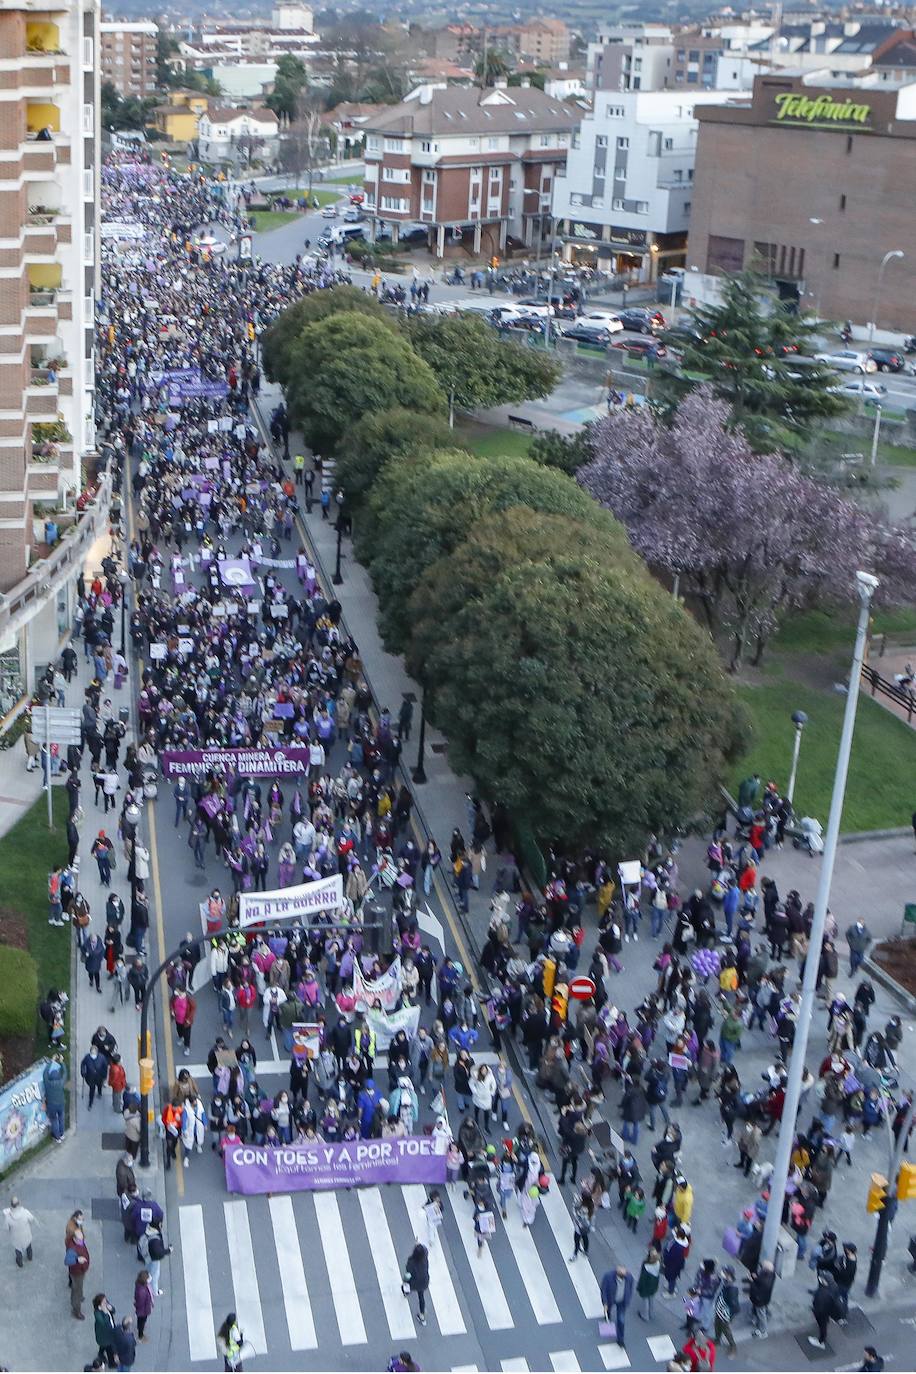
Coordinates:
(848, 360)
(603, 319)
(868, 391)
(329, 212)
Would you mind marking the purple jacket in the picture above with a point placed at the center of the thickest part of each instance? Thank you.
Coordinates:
(143, 1299)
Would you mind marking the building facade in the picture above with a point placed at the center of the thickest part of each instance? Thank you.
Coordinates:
(812, 183)
(474, 165)
(49, 262)
(129, 56)
(623, 203)
(226, 135)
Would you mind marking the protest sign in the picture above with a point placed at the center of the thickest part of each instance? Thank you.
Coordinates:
(248, 763)
(387, 1024)
(343, 1164)
(381, 993)
(301, 902)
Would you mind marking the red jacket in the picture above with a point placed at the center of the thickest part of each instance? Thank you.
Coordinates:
(700, 1356)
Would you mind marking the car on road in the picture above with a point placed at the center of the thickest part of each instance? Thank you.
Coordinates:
(585, 332)
(352, 216)
(329, 212)
(532, 306)
(848, 360)
(610, 319)
(866, 390)
(888, 359)
(641, 320)
(643, 348)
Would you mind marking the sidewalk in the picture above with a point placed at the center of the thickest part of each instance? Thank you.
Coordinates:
(80, 1171)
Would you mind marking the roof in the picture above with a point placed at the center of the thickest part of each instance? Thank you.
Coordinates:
(456, 110)
(224, 114)
(349, 110)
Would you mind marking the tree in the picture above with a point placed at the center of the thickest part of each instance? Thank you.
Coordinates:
(568, 452)
(535, 79)
(491, 67)
(748, 535)
(570, 685)
(348, 365)
(739, 351)
(120, 112)
(422, 508)
(475, 367)
(305, 143)
(289, 83)
(376, 439)
(278, 340)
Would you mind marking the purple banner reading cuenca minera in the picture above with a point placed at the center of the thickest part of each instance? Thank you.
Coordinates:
(272, 762)
(346, 1164)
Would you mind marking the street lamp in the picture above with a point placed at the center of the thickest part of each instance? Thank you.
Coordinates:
(419, 772)
(894, 253)
(866, 584)
(799, 720)
(337, 579)
(124, 579)
(813, 219)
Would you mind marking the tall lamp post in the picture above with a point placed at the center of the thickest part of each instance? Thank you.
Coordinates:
(124, 579)
(894, 253)
(337, 579)
(419, 772)
(866, 584)
(799, 720)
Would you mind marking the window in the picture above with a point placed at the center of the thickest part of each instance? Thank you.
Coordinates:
(491, 144)
(373, 143)
(88, 184)
(426, 146)
(401, 174)
(88, 53)
(429, 178)
(642, 207)
(394, 145)
(687, 206)
(88, 248)
(617, 204)
(601, 141)
(544, 140)
(395, 203)
(88, 118)
(836, 261)
(668, 144)
(615, 111)
(623, 143)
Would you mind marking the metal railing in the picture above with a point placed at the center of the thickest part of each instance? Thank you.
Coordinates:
(901, 696)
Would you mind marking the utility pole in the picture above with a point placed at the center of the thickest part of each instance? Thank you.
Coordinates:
(866, 584)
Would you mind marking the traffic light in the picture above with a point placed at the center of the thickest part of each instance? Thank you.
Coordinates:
(906, 1182)
(877, 1194)
(559, 1002)
(250, 331)
(146, 1077)
(549, 976)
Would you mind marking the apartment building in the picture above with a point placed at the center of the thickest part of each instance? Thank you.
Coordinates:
(49, 257)
(623, 201)
(129, 56)
(474, 165)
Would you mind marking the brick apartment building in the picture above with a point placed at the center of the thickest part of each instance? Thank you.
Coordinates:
(49, 242)
(812, 183)
(474, 165)
(129, 57)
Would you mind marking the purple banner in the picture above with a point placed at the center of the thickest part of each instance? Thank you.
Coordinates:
(195, 390)
(346, 1164)
(248, 763)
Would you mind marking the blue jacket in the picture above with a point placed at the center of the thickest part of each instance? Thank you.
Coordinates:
(367, 1102)
(54, 1080)
(616, 1292)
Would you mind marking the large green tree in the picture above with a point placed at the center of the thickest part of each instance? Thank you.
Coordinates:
(376, 439)
(424, 507)
(288, 87)
(278, 340)
(347, 365)
(475, 367)
(570, 685)
(740, 351)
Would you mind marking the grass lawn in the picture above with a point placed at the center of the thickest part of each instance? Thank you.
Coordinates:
(889, 454)
(492, 443)
(265, 220)
(824, 632)
(27, 854)
(294, 192)
(879, 792)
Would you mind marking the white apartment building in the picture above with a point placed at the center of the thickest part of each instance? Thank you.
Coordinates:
(623, 203)
(224, 134)
(49, 263)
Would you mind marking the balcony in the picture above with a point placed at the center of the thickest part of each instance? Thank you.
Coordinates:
(38, 158)
(40, 241)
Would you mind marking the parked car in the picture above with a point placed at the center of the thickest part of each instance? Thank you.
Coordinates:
(866, 390)
(352, 216)
(848, 360)
(586, 332)
(888, 359)
(641, 320)
(329, 212)
(531, 306)
(610, 319)
(643, 348)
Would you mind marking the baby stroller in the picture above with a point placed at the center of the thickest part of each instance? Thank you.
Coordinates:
(150, 786)
(811, 836)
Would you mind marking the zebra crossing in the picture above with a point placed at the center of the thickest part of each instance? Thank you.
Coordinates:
(322, 1272)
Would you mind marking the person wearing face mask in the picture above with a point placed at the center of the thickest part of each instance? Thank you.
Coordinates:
(76, 1258)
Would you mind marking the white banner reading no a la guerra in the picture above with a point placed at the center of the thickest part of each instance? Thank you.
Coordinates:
(302, 902)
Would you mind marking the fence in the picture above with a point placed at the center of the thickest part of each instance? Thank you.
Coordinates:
(901, 696)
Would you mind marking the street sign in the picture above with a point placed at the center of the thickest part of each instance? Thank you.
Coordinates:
(56, 725)
(581, 988)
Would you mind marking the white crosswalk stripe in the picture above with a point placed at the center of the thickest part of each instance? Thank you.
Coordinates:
(612, 1357)
(198, 1306)
(537, 1284)
(387, 1269)
(583, 1280)
(441, 1288)
(511, 1365)
(299, 1320)
(564, 1361)
(483, 1269)
(337, 1257)
(245, 1276)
